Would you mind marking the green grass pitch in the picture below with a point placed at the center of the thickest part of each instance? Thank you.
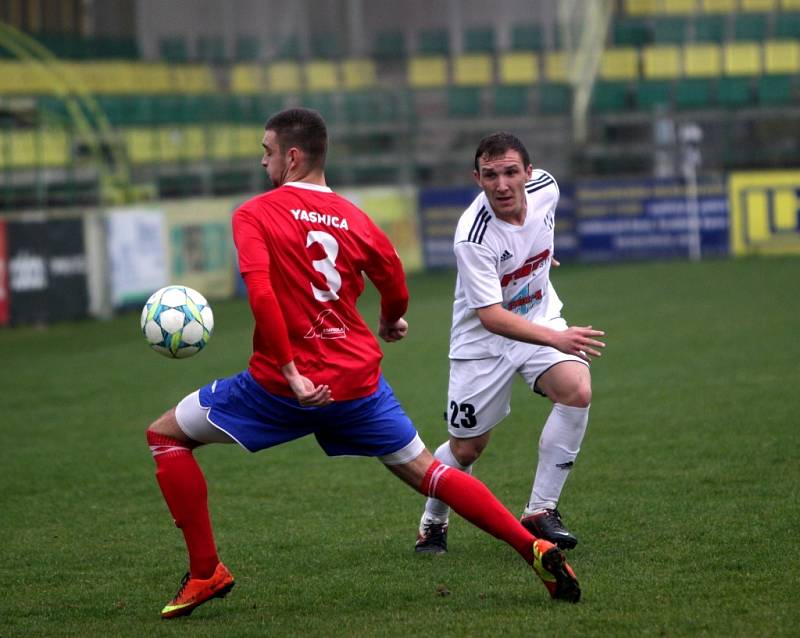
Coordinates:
(686, 496)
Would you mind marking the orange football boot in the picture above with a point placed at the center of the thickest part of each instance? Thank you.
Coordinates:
(193, 592)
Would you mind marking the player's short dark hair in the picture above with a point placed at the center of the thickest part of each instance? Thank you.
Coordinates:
(302, 128)
(497, 144)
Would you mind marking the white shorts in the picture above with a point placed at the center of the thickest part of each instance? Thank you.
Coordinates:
(479, 390)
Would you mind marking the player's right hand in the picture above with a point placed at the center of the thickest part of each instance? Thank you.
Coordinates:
(579, 341)
(309, 395)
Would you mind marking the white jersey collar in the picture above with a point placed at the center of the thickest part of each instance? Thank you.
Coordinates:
(311, 187)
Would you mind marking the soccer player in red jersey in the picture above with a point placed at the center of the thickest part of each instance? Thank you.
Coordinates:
(315, 367)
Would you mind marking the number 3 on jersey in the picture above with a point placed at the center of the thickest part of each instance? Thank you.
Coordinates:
(467, 410)
(326, 267)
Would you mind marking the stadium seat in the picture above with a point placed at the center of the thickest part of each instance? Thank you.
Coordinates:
(710, 28)
(55, 150)
(787, 25)
(554, 99)
(473, 69)
(758, 6)
(288, 48)
(25, 149)
(518, 68)
(782, 57)
(248, 48)
(742, 58)
(790, 5)
(692, 93)
(718, 6)
(389, 45)
(641, 7)
(173, 49)
(702, 60)
(750, 26)
(193, 78)
(433, 42)
(321, 75)
(211, 48)
(427, 71)
(609, 96)
(325, 45)
(510, 100)
(631, 31)
(526, 37)
(368, 107)
(679, 7)
(479, 40)
(324, 104)
(774, 89)
(620, 64)
(555, 67)
(734, 91)
(650, 94)
(463, 101)
(358, 73)
(246, 79)
(661, 62)
(140, 145)
(669, 31)
(283, 77)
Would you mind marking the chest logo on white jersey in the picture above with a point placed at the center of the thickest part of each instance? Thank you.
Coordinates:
(530, 265)
(505, 256)
(314, 217)
(524, 300)
(327, 325)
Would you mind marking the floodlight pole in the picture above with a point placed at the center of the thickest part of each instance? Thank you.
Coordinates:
(690, 136)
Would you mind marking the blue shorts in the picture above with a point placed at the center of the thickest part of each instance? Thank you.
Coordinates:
(373, 426)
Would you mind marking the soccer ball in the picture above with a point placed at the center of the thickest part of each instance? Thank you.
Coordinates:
(177, 321)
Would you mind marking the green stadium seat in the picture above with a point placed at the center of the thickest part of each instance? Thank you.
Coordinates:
(734, 92)
(787, 25)
(609, 96)
(774, 89)
(325, 45)
(710, 28)
(390, 45)
(464, 101)
(479, 40)
(692, 93)
(669, 31)
(526, 37)
(211, 48)
(750, 26)
(554, 99)
(631, 32)
(248, 48)
(510, 100)
(288, 48)
(323, 103)
(173, 49)
(433, 42)
(650, 94)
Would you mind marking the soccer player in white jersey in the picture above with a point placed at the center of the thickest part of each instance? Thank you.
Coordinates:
(506, 320)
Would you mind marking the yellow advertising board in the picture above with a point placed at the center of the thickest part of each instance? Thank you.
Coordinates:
(765, 212)
(200, 245)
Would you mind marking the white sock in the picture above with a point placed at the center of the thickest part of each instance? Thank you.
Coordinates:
(558, 447)
(437, 511)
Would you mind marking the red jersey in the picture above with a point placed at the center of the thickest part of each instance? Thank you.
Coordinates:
(315, 247)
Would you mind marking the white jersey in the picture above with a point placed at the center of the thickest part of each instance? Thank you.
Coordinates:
(499, 262)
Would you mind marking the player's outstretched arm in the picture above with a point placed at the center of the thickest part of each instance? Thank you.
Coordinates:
(576, 340)
(392, 330)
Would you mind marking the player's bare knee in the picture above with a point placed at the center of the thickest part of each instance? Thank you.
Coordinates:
(579, 396)
(466, 451)
(167, 425)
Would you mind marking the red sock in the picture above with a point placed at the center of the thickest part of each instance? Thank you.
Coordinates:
(184, 488)
(473, 500)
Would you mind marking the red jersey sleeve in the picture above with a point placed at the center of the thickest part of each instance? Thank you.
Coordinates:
(254, 264)
(385, 270)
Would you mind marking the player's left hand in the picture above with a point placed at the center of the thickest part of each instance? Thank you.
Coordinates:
(392, 331)
(308, 394)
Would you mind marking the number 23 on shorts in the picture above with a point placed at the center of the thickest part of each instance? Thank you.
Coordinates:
(462, 415)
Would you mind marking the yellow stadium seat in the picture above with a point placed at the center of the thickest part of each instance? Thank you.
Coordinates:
(641, 7)
(246, 79)
(518, 68)
(742, 58)
(55, 149)
(283, 77)
(245, 139)
(758, 6)
(702, 60)
(170, 143)
(718, 6)
(223, 142)
(321, 75)
(555, 67)
(621, 63)
(194, 142)
(472, 69)
(679, 7)
(193, 78)
(156, 76)
(140, 144)
(790, 5)
(782, 57)
(24, 150)
(661, 62)
(427, 71)
(358, 73)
